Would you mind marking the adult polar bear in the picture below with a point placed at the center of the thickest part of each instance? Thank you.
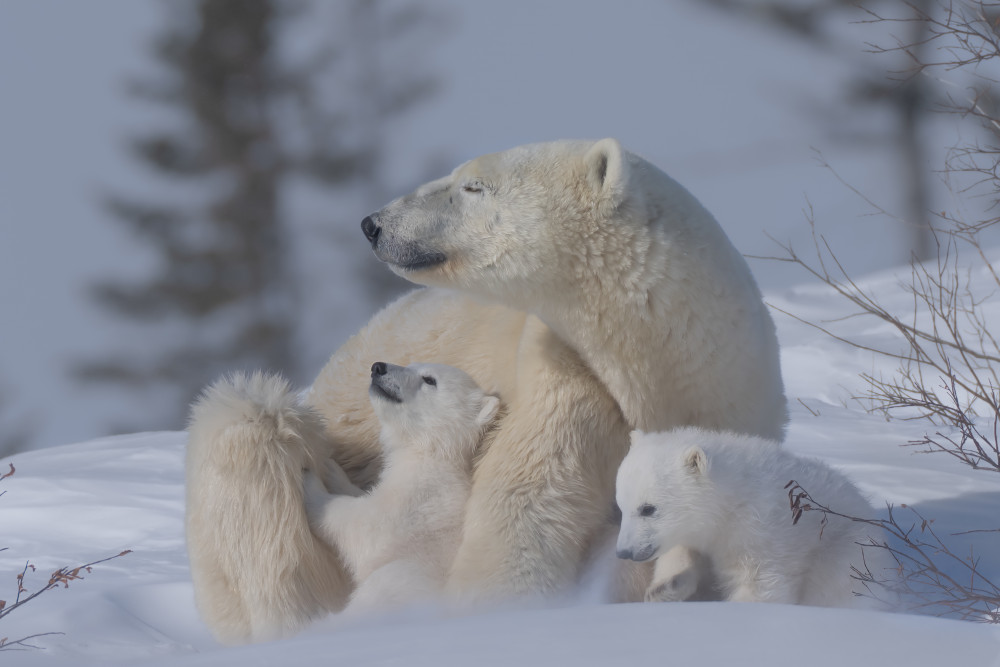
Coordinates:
(584, 286)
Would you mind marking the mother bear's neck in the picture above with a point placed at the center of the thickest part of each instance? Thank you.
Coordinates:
(679, 340)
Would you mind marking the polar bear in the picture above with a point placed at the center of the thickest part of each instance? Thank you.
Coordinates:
(725, 496)
(583, 285)
(399, 539)
(251, 432)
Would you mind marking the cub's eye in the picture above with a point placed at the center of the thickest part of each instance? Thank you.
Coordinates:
(474, 187)
(647, 510)
(429, 380)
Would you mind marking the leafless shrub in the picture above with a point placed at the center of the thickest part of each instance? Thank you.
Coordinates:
(948, 358)
(62, 576)
(928, 577)
(964, 32)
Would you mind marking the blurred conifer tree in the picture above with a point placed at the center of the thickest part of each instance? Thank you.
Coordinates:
(225, 287)
(15, 430)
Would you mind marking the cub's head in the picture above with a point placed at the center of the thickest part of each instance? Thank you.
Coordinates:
(429, 403)
(508, 222)
(663, 492)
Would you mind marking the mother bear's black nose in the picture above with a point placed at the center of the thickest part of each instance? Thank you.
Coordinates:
(379, 368)
(370, 229)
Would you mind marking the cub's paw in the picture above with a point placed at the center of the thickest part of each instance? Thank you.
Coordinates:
(338, 482)
(680, 587)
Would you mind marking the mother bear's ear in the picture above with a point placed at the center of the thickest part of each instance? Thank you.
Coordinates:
(607, 170)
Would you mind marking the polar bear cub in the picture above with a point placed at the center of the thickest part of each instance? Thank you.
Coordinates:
(724, 496)
(399, 539)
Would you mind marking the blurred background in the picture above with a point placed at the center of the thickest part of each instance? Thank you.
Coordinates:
(182, 181)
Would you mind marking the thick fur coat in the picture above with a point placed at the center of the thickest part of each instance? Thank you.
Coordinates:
(725, 496)
(587, 289)
(399, 539)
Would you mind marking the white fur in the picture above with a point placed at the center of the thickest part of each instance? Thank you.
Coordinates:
(258, 572)
(399, 539)
(723, 495)
(595, 295)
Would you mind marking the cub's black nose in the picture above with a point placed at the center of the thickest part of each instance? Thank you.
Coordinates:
(370, 229)
(379, 368)
(624, 554)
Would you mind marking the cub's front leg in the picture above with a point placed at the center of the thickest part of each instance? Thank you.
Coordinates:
(337, 481)
(682, 574)
(332, 517)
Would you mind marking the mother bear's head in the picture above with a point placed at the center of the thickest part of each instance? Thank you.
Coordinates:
(516, 224)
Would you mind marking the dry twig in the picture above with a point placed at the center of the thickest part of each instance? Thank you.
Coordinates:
(948, 358)
(928, 577)
(63, 576)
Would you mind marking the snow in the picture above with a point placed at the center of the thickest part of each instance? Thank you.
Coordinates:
(63, 147)
(73, 504)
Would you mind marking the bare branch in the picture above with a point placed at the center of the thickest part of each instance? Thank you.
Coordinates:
(929, 576)
(63, 576)
(22, 643)
(948, 357)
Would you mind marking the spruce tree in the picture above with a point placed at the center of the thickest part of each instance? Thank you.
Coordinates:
(225, 290)
(15, 430)
(224, 284)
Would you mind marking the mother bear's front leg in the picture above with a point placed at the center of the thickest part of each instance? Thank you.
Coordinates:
(543, 491)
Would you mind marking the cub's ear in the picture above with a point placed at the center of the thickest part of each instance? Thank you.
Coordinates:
(607, 170)
(695, 461)
(491, 405)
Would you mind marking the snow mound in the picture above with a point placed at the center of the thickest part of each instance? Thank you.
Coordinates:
(74, 504)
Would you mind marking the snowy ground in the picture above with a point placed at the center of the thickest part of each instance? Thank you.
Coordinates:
(78, 503)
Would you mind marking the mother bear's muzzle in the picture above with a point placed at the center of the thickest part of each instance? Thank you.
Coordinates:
(371, 230)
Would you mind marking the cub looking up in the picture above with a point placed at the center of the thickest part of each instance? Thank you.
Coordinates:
(399, 539)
